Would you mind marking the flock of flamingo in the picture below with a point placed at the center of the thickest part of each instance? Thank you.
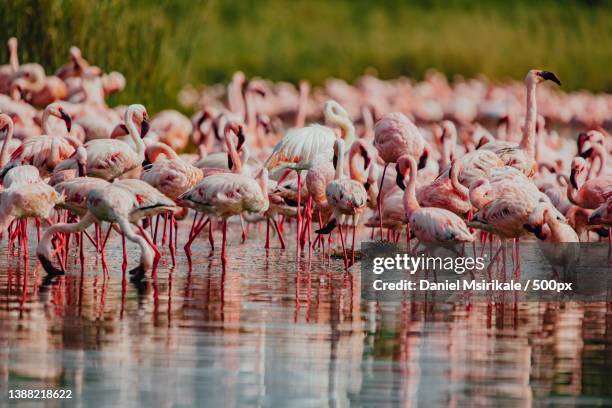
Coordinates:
(441, 162)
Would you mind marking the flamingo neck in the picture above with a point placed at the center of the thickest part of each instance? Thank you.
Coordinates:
(13, 57)
(448, 147)
(236, 100)
(139, 145)
(529, 131)
(454, 178)
(410, 201)
(354, 171)
(233, 154)
(340, 161)
(601, 154)
(45, 122)
(477, 194)
(348, 130)
(156, 149)
(572, 194)
(300, 117)
(4, 152)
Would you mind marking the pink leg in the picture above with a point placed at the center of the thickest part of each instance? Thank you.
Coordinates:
(379, 202)
(267, 246)
(123, 246)
(211, 237)
(223, 245)
(81, 253)
(344, 250)
(279, 233)
(299, 219)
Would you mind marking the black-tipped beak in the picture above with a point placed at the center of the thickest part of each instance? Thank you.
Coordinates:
(144, 128)
(366, 157)
(329, 227)
(230, 162)
(587, 153)
(399, 179)
(582, 138)
(335, 160)
(573, 179)
(423, 160)
(241, 138)
(81, 169)
(66, 118)
(550, 76)
(366, 185)
(48, 266)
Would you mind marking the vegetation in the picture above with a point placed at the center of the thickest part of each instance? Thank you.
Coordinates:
(163, 45)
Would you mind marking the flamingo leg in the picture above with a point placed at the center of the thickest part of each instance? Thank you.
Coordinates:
(279, 233)
(299, 219)
(81, 252)
(124, 249)
(379, 202)
(223, 245)
(346, 266)
(267, 246)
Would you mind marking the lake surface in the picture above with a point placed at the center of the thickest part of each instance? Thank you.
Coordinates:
(269, 332)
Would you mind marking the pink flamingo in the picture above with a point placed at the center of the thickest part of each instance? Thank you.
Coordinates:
(118, 205)
(228, 194)
(23, 201)
(394, 136)
(45, 151)
(8, 71)
(446, 192)
(522, 156)
(429, 224)
(593, 192)
(110, 158)
(346, 197)
(301, 148)
(557, 229)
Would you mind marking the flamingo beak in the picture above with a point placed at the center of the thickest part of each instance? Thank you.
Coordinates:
(81, 169)
(399, 179)
(423, 159)
(587, 153)
(241, 137)
(144, 128)
(573, 179)
(66, 118)
(550, 76)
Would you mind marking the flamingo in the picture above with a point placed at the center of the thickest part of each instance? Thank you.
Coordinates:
(21, 201)
(228, 194)
(394, 136)
(602, 215)
(8, 71)
(111, 158)
(557, 229)
(446, 192)
(593, 192)
(522, 156)
(345, 197)
(429, 224)
(114, 203)
(301, 148)
(45, 151)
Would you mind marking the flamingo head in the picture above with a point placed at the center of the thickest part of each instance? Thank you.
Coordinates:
(578, 166)
(5, 123)
(11, 44)
(55, 109)
(138, 114)
(540, 76)
(583, 137)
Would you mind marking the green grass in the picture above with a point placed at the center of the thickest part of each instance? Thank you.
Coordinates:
(162, 45)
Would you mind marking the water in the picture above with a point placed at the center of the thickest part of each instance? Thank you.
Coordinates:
(268, 332)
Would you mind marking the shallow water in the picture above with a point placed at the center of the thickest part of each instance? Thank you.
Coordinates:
(268, 332)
